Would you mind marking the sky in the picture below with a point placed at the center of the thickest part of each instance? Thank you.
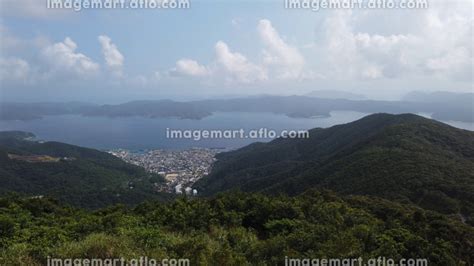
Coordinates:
(231, 48)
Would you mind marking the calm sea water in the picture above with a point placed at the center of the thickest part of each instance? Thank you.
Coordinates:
(148, 133)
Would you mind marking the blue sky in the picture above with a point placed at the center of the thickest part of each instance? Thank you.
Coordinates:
(219, 48)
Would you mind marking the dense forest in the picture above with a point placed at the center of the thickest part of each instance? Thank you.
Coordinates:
(81, 176)
(233, 229)
(393, 186)
(406, 158)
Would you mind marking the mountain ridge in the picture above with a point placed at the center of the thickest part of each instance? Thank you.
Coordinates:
(79, 176)
(453, 107)
(400, 157)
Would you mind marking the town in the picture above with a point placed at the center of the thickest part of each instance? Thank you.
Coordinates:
(180, 168)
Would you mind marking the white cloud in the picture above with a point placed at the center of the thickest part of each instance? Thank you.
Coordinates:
(439, 43)
(62, 58)
(359, 55)
(432, 44)
(237, 66)
(113, 58)
(228, 66)
(14, 69)
(457, 63)
(448, 43)
(280, 61)
(285, 60)
(188, 67)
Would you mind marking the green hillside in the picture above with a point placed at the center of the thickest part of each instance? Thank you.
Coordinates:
(399, 157)
(233, 229)
(80, 176)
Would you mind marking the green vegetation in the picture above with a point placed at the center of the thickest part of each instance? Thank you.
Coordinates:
(404, 189)
(398, 157)
(83, 177)
(233, 229)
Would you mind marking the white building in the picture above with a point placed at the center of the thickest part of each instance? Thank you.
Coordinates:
(188, 190)
(178, 189)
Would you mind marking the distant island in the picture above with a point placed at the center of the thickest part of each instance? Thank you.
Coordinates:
(335, 94)
(441, 105)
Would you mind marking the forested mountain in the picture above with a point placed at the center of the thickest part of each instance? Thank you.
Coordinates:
(399, 157)
(423, 169)
(80, 176)
(234, 229)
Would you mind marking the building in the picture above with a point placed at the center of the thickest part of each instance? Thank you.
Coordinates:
(178, 189)
(188, 190)
(171, 177)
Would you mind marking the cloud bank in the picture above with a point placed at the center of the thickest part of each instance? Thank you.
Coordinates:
(350, 47)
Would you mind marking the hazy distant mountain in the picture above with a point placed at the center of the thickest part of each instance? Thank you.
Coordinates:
(446, 105)
(79, 176)
(402, 157)
(151, 109)
(334, 94)
(29, 111)
(292, 106)
(439, 97)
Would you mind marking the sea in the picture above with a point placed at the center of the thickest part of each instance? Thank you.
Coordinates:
(139, 133)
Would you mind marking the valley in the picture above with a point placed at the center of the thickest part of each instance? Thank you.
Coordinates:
(180, 168)
(400, 186)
